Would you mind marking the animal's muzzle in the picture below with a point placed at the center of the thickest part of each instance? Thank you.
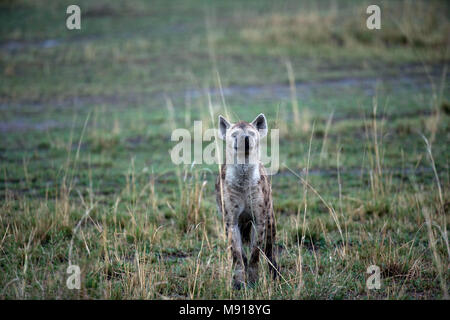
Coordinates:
(247, 144)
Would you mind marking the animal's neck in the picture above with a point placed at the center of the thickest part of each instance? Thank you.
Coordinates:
(242, 175)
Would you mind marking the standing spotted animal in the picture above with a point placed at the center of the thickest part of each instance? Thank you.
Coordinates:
(244, 197)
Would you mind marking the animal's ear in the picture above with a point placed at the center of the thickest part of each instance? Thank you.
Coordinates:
(224, 125)
(260, 123)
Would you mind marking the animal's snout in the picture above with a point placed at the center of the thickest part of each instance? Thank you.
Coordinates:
(243, 143)
(246, 142)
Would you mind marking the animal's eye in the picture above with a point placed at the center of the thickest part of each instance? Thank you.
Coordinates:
(234, 134)
(251, 133)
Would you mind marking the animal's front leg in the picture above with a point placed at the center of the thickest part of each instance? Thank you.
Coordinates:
(238, 261)
(256, 245)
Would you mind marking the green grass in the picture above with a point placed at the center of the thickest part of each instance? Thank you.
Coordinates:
(85, 131)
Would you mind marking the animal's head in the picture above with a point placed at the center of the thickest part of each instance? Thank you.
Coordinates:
(242, 138)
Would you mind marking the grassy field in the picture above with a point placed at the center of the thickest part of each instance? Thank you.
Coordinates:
(86, 118)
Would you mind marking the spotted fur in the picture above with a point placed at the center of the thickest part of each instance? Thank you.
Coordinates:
(244, 197)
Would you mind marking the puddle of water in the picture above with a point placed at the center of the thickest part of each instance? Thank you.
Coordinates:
(49, 43)
(273, 92)
(20, 45)
(283, 92)
(354, 172)
(19, 125)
